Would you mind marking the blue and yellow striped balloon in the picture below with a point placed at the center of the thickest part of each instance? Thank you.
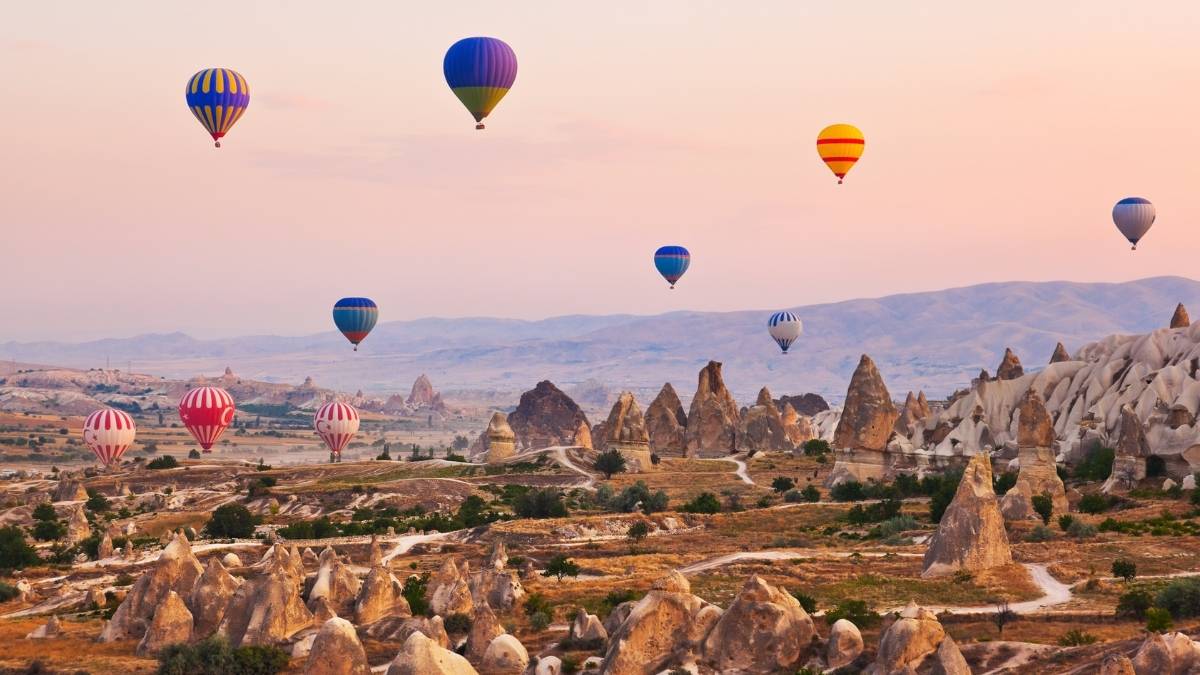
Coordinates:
(355, 317)
(480, 71)
(217, 97)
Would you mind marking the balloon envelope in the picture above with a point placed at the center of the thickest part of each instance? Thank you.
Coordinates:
(217, 97)
(480, 71)
(355, 317)
(1133, 217)
(336, 423)
(671, 262)
(109, 433)
(784, 328)
(840, 146)
(206, 412)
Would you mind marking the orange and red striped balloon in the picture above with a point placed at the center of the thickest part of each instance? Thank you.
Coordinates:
(840, 146)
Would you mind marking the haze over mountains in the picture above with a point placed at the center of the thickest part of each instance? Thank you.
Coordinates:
(933, 341)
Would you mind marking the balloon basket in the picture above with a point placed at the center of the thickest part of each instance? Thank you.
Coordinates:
(216, 144)
(478, 126)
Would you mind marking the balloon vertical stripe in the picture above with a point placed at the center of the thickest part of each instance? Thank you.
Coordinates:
(336, 423)
(784, 327)
(480, 71)
(109, 433)
(217, 97)
(206, 412)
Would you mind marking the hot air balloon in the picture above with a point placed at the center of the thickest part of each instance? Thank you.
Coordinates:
(109, 433)
(840, 146)
(355, 317)
(1134, 216)
(206, 412)
(480, 71)
(217, 97)
(336, 423)
(784, 328)
(672, 262)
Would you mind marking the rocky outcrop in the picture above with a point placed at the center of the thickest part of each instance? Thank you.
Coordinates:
(1129, 460)
(762, 427)
(337, 651)
(497, 442)
(1060, 354)
(396, 629)
(1038, 471)
(713, 419)
(666, 424)
(484, 628)
(50, 629)
(268, 609)
(664, 629)
(78, 527)
(499, 588)
(69, 490)
(1180, 318)
(380, 596)
(764, 630)
(1117, 664)
(809, 405)
(336, 583)
(798, 428)
(422, 656)
(625, 432)
(105, 548)
(504, 656)
(210, 597)
(172, 624)
(914, 642)
(583, 437)
(1167, 654)
(867, 422)
(1010, 366)
(176, 572)
(971, 534)
(423, 397)
(912, 414)
(844, 645)
(587, 627)
(449, 589)
(545, 416)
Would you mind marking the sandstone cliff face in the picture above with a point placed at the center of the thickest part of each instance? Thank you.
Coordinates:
(268, 609)
(545, 417)
(1038, 473)
(762, 427)
(713, 419)
(172, 623)
(583, 437)
(666, 424)
(210, 597)
(798, 428)
(971, 535)
(912, 414)
(380, 596)
(1010, 366)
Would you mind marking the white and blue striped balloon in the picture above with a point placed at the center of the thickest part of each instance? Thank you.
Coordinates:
(1133, 216)
(784, 328)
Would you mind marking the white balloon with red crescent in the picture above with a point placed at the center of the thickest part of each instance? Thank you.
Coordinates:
(336, 423)
(109, 433)
(206, 412)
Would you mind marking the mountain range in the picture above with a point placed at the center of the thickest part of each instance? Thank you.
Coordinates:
(935, 341)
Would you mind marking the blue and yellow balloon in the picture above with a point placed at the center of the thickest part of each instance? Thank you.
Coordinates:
(480, 71)
(217, 97)
(355, 317)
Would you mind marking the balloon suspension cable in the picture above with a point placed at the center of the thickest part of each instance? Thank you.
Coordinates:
(479, 126)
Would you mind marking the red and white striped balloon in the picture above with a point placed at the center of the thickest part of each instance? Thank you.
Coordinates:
(206, 412)
(336, 423)
(109, 433)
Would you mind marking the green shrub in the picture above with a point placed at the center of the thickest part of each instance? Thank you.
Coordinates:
(1124, 569)
(1003, 482)
(49, 530)
(1040, 533)
(849, 491)
(854, 611)
(231, 520)
(1158, 620)
(816, 447)
(561, 566)
(782, 484)
(1081, 530)
(1043, 505)
(1097, 466)
(1065, 521)
(860, 514)
(895, 526)
(214, 656)
(414, 592)
(8, 592)
(705, 502)
(1094, 503)
(193, 454)
(637, 494)
(15, 552)
(1076, 638)
(610, 462)
(457, 624)
(45, 512)
(808, 602)
(547, 503)
(1180, 597)
(536, 602)
(1134, 604)
(163, 462)
(540, 621)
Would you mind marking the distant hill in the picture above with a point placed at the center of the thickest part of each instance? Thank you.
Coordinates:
(933, 341)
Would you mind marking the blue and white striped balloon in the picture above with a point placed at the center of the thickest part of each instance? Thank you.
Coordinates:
(784, 328)
(1133, 216)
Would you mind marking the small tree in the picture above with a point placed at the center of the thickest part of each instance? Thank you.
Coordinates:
(811, 493)
(1158, 620)
(561, 566)
(1044, 506)
(782, 484)
(1003, 616)
(15, 552)
(45, 511)
(461, 442)
(610, 462)
(96, 503)
(231, 520)
(705, 502)
(1124, 569)
(637, 533)
(193, 454)
(414, 592)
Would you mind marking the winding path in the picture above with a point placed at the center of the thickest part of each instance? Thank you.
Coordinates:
(741, 467)
(560, 453)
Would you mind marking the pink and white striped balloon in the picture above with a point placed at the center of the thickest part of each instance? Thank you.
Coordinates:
(109, 433)
(336, 423)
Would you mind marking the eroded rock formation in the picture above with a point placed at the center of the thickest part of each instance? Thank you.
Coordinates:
(1060, 354)
(1129, 461)
(171, 624)
(867, 422)
(971, 534)
(914, 643)
(625, 432)
(665, 628)
(210, 597)
(337, 651)
(1010, 366)
(176, 572)
(666, 424)
(1038, 471)
(1180, 318)
(713, 419)
(764, 630)
(545, 417)
(422, 656)
(762, 427)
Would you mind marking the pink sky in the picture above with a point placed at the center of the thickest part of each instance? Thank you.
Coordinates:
(998, 138)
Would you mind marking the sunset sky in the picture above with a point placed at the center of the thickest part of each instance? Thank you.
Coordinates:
(999, 136)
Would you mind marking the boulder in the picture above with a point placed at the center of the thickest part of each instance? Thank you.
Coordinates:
(1169, 484)
(948, 660)
(666, 424)
(762, 427)
(78, 527)
(971, 534)
(713, 418)
(231, 560)
(548, 665)
(1167, 654)
(664, 629)
(484, 628)
(1129, 461)
(1117, 664)
(210, 597)
(545, 416)
(587, 627)
(1180, 318)
(380, 596)
(337, 651)
(908, 642)
(1038, 473)
(765, 629)
(1010, 366)
(172, 624)
(844, 645)
(24, 590)
(1060, 354)
(1189, 482)
(449, 589)
(50, 629)
(625, 432)
(421, 656)
(396, 629)
(504, 656)
(176, 571)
